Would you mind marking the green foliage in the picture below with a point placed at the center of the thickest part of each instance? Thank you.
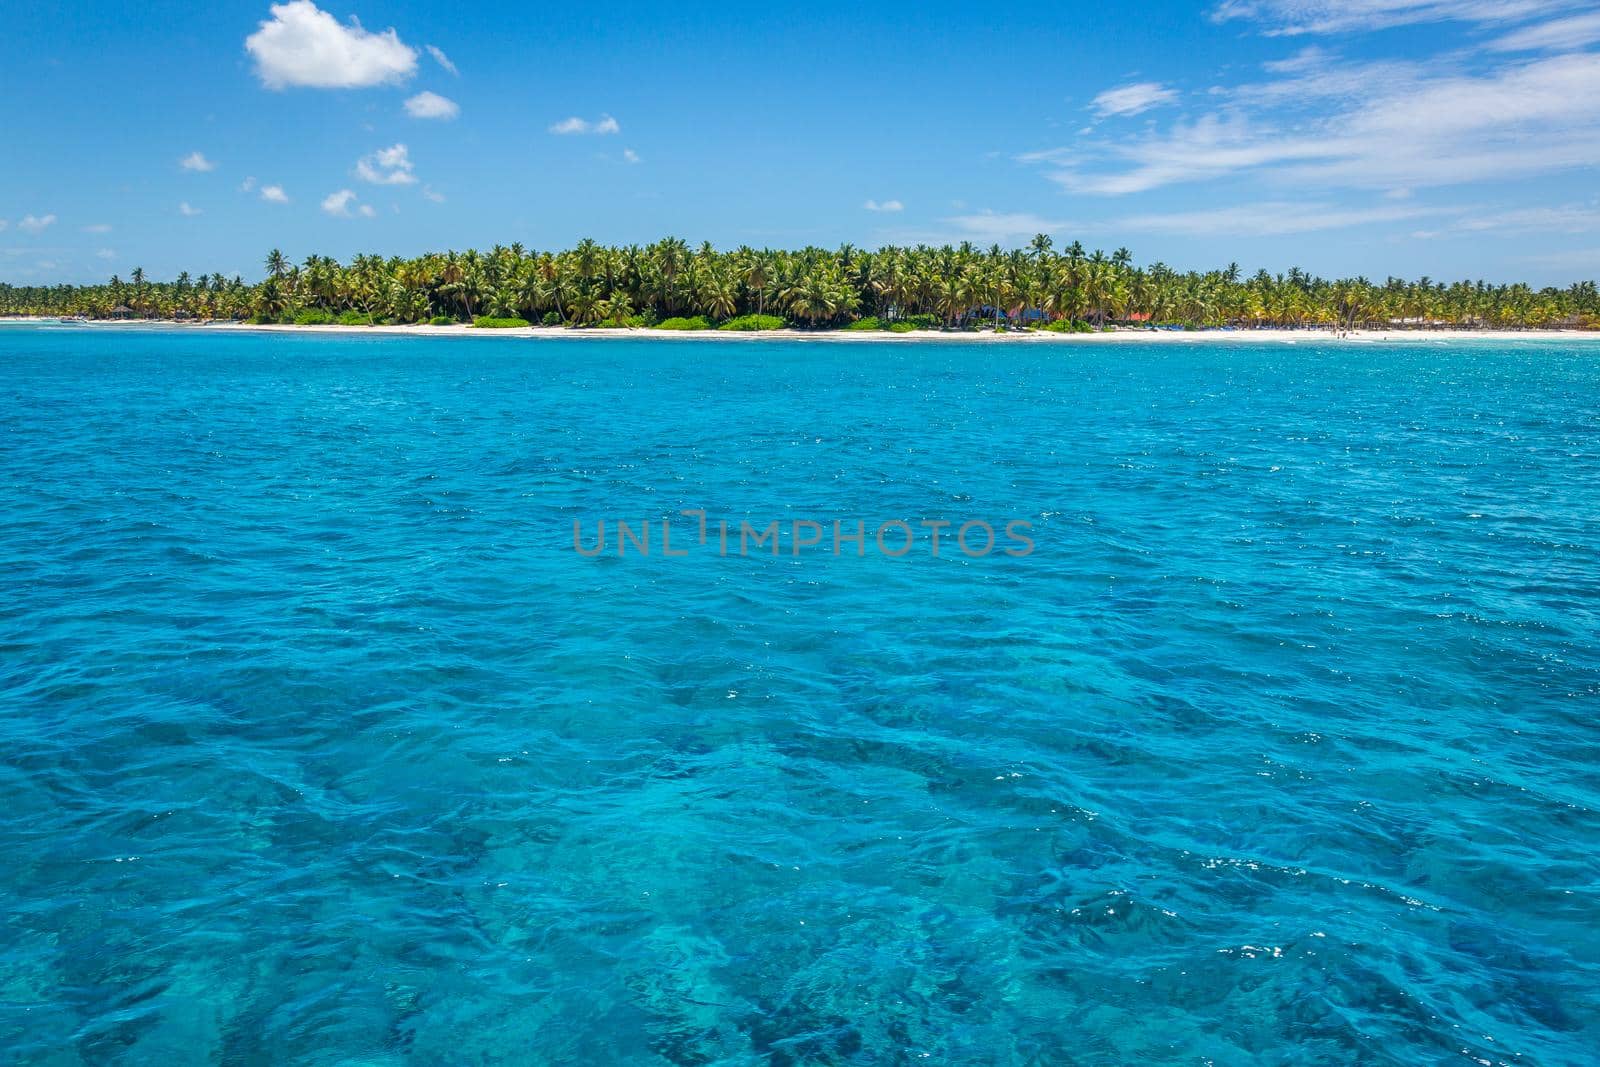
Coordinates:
(631, 322)
(354, 318)
(754, 322)
(312, 317)
(487, 322)
(872, 322)
(441, 320)
(678, 322)
(810, 288)
(261, 320)
(1068, 326)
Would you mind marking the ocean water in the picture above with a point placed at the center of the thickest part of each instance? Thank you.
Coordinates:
(320, 743)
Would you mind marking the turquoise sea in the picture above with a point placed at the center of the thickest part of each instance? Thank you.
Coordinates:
(320, 744)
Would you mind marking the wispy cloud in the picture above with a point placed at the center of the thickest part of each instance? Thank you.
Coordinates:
(630, 156)
(387, 166)
(1271, 219)
(429, 193)
(274, 194)
(1132, 99)
(1394, 127)
(1558, 35)
(105, 253)
(36, 224)
(443, 60)
(884, 205)
(98, 227)
(999, 228)
(1568, 218)
(428, 105)
(188, 210)
(1295, 17)
(603, 125)
(302, 45)
(196, 161)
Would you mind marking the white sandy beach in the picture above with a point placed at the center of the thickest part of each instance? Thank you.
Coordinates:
(1122, 336)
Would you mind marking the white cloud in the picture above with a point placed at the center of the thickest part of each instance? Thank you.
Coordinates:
(630, 155)
(196, 161)
(338, 203)
(884, 205)
(106, 253)
(1391, 127)
(386, 166)
(1569, 218)
(1270, 219)
(3, 224)
(1582, 259)
(603, 125)
(426, 105)
(1293, 17)
(1132, 99)
(36, 224)
(247, 185)
(302, 45)
(429, 193)
(185, 209)
(274, 194)
(1560, 35)
(1316, 77)
(996, 228)
(98, 227)
(443, 60)
(341, 202)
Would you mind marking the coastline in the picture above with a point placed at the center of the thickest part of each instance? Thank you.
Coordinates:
(1278, 336)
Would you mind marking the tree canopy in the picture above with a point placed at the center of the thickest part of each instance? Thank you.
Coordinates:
(949, 286)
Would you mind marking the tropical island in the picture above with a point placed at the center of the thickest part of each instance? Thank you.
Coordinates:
(671, 286)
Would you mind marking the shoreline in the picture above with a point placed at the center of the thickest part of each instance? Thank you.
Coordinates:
(1268, 335)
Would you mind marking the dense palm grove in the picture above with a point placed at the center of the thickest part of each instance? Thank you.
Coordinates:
(592, 285)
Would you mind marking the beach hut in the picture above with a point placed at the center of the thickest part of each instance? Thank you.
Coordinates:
(122, 311)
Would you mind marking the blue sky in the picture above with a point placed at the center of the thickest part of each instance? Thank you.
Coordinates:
(1453, 138)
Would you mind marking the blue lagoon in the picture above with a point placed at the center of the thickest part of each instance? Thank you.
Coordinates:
(324, 745)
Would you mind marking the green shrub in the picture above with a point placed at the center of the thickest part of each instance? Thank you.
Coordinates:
(261, 320)
(920, 322)
(754, 322)
(312, 317)
(1068, 326)
(871, 322)
(441, 320)
(697, 322)
(632, 322)
(486, 322)
(551, 318)
(901, 327)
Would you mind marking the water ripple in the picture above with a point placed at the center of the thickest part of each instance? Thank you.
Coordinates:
(322, 745)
